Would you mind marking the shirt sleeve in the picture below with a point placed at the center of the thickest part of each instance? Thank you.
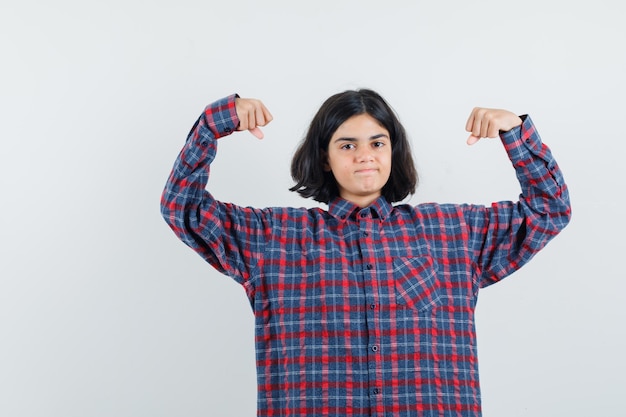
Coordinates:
(507, 235)
(227, 236)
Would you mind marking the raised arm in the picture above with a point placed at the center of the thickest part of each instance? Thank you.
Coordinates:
(229, 237)
(506, 235)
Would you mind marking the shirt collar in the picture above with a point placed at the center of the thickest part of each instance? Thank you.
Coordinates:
(343, 209)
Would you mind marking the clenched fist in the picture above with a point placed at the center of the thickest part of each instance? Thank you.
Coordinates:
(488, 123)
(252, 113)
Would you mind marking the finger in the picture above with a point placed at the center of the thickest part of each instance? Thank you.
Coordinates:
(268, 116)
(251, 120)
(484, 127)
(257, 133)
(470, 121)
(477, 127)
(259, 116)
(493, 131)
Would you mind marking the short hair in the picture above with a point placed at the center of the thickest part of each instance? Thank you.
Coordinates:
(307, 165)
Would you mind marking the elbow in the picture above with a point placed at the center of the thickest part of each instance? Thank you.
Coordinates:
(560, 220)
(565, 214)
(168, 212)
(557, 210)
(551, 216)
(557, 219)
(567, 217)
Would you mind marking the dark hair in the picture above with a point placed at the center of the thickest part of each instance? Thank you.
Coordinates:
(307, 165)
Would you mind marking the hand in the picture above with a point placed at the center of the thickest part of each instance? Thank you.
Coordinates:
(252, 113)
(488, 123)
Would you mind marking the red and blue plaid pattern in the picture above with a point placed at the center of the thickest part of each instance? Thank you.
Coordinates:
(365, 312)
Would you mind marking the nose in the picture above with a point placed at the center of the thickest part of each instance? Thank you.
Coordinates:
(364, 154)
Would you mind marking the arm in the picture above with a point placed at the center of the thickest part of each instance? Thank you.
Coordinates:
(227, 236)
(508, 234)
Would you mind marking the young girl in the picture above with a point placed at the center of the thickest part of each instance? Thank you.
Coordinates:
(366, 309)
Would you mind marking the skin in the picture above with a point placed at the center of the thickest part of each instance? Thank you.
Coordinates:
(359, 153)
(359, 156)
(488, 123)
(252, 114)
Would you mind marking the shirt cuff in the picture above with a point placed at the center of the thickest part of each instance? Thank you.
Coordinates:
(221, 116)
(523, 142)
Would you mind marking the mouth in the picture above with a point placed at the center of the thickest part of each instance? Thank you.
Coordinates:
(366, 171)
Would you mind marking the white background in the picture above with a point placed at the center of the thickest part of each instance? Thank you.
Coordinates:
(103, 312)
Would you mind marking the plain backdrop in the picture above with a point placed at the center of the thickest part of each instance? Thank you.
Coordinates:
(104, 312)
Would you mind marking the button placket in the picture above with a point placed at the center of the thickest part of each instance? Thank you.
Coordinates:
(367, 238)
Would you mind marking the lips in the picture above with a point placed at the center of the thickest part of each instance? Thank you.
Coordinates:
(366, 171)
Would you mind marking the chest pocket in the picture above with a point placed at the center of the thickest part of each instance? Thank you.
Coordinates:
(416, 283)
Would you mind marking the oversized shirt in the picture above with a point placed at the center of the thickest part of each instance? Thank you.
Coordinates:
(365, 311)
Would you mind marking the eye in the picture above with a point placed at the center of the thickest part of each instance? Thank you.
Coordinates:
(347, 146)
(378, 144)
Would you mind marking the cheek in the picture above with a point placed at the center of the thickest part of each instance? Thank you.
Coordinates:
(338, 164)
(388, 161)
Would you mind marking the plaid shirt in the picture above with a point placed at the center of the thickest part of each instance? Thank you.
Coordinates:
(365, 312)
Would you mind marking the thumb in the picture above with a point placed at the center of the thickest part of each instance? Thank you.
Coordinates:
(472, 139)
(257, 133)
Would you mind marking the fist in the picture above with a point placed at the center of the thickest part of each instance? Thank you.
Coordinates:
(252, 113)
(488, 123)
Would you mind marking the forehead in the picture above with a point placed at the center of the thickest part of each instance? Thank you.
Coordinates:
(358, 126)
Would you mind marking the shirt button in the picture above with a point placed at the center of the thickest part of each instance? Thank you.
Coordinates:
(375, 348)
(366, 234)
(369, 266)
(227, 130)
(363, 215)
(372, 306)
(375, 390)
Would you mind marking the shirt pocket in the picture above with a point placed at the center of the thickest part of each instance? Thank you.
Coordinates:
(416, 283)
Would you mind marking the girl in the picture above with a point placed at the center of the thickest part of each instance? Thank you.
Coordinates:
(366, 308)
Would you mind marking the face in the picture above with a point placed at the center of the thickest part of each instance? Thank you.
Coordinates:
(359, 156)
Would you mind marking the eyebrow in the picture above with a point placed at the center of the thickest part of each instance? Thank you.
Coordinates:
(350, 139)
